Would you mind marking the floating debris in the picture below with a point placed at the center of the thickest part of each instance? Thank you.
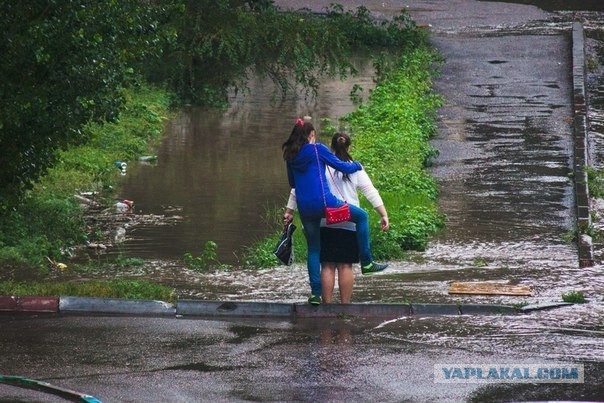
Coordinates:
(147, 158)
(124, 206)
(488, 288)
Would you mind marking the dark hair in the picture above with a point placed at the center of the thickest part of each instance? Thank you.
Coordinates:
(339, 144)
(297, 138)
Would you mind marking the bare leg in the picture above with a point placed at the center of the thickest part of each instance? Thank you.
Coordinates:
(328, 280)
(345, 281)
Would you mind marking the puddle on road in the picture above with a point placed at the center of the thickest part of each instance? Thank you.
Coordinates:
(559, 334)
(505, 187)
(222, 172)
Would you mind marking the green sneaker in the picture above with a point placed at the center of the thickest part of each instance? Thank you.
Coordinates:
(314, 299)
(373, 268)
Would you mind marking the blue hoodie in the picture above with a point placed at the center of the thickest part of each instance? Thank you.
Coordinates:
(303, 174)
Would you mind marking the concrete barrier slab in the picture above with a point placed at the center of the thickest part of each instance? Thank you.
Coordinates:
(486, 309)
(545, 305)
(233, 308)
(386, 311)
(435, 309)
(14, 303)
(115, 306)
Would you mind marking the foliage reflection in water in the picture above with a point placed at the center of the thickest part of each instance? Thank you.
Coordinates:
(223, 171)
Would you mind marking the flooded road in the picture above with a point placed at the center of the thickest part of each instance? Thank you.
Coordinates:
(504, 169)
(221, 172)
(505, 144)
(504, 173)
(169, 360)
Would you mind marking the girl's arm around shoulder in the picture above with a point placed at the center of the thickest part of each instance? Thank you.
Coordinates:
(328, 158)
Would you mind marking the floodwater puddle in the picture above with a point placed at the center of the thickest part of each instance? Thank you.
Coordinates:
(503, 171)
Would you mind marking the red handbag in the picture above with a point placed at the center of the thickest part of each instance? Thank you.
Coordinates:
(337, 214)
(333, 215)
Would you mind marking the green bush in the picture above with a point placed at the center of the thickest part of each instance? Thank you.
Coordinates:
(66, 64)
(220, 42)
(40, 228)
(576, 297)
(391, 137)
(49, 220)
(206, 260)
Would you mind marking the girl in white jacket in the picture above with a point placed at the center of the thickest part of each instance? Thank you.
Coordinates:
(338, 241)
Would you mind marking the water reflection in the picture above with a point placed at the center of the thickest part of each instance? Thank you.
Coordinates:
(557, 334)
(224, 170)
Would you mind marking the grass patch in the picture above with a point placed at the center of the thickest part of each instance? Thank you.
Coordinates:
(124, 262)
(50, 220)
(391, 138)
(206, 260)
(260, 254)
(129, 289)
(592, 63)
(575, 297)
(480, 262)
(595, 182)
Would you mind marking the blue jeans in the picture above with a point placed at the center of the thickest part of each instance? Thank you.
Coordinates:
(312, 231)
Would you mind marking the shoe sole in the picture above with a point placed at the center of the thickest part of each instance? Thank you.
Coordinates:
(315, 302)
(372, 272)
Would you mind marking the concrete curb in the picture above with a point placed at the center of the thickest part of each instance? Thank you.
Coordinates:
(581, 154)
(29, 304)
(233, 308)
(543, 306)
(477, 309)
(115, 306)
(214, 309)
(384, 311)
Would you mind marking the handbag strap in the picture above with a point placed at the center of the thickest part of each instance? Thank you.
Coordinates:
(320, 176)
(336, 184)
(321, 179)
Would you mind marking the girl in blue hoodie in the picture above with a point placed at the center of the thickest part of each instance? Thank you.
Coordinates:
(306, 175)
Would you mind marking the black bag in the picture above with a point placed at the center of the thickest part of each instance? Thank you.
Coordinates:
(284, 251)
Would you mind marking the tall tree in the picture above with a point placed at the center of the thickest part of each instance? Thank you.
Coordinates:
(65, 63)
(220, 42)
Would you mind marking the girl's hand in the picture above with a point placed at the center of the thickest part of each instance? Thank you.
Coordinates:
(385, 223)
(288, 217)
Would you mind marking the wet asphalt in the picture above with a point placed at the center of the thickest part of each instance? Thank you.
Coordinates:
(136, 359)
(505, 155)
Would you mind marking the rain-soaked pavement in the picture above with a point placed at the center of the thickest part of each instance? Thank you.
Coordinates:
(504, 169)
(118, 359)
(505, 144)
(504, 172)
